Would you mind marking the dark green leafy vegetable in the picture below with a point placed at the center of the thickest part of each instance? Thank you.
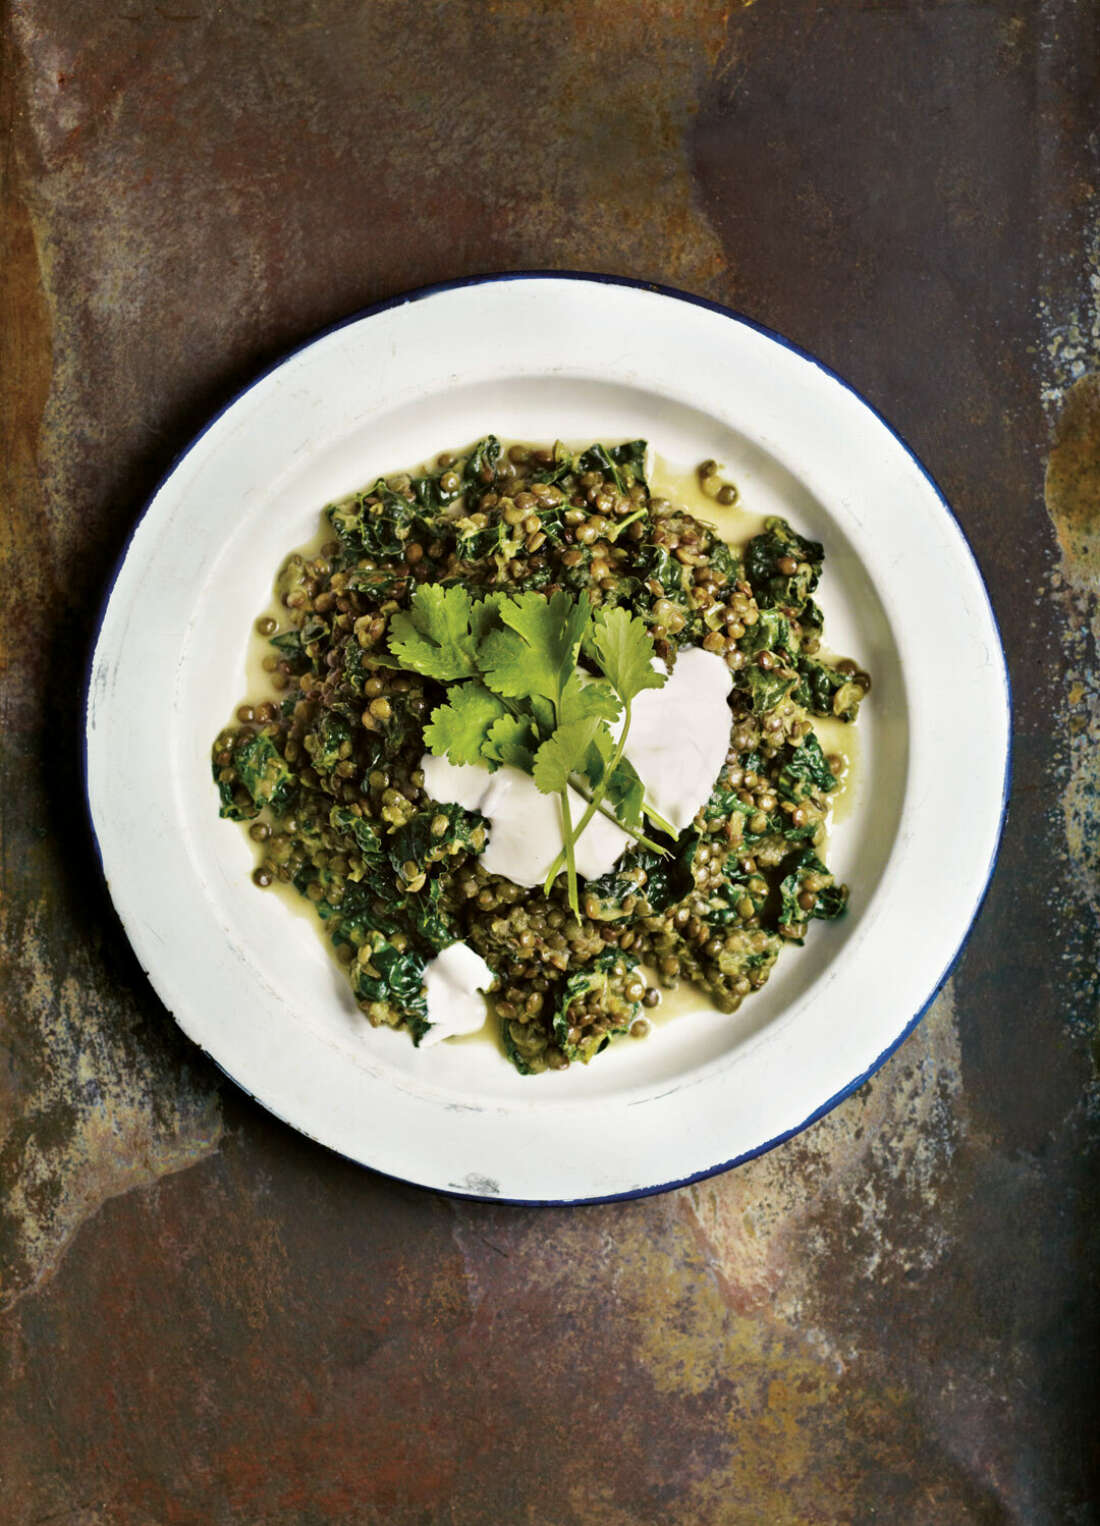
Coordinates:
(376, 523)
(289, 647)
(656, 561)
(434, 921)
(804, 771)
(264, 773)
(641, 878)
(434, 835)
(379, 583)
(625, 464)
(365, 833)
(396, 978)
(766, 689)
(560, 468)
(526, 1045)
(743, 890)
(771, 633)
(754, 827)
(329, 742)
(477, 542)
(595, 1005)
(725, 562)
(808, 890)
(481, 462)
(771, 583)
(824, 690)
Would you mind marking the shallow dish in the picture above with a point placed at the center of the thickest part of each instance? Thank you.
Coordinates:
(534, 357)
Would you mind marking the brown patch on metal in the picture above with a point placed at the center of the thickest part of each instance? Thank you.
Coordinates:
(84, 1120)
(724, 1295)
(893, 1144)
(1071, 392)
(86, 1109)
(1073, 478)
(225, 1346)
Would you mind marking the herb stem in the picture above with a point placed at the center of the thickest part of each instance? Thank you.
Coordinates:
(638, 837)
(595, 803)
(601, 790)
(570, 855)
(621, 524)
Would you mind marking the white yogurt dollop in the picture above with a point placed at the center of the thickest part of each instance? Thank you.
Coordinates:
(525, 835)
(680, 734)
(454, 979)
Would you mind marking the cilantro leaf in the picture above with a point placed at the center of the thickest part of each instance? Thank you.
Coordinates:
(434, 637)
(543, 712)
(625, 652)
(582, 697)
(485, 615)
(626, 793)
(512, 739)
(564, 754)
(459, 729)
(538, 651)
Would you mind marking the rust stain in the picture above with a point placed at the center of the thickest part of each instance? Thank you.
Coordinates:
(83, 1122)
(1071, 395)
(1073, 479)
(81, 1118)
(725, 1295)
(891, 1144)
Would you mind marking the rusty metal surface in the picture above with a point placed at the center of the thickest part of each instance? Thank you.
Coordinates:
(892, 1318)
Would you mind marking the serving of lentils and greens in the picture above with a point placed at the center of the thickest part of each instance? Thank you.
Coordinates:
(538, 733)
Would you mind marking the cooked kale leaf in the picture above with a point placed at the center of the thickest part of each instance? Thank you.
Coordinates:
(766, 689)
(771, 633)
(594, 1005)
(825, 691)
(620, 892)
(289, 646)
(774, 585)
(808, 890)
(396, 978)
(805, 770)
(261, 768)
(481, 462)
(624, 463)
(435, 835)
(376, 523)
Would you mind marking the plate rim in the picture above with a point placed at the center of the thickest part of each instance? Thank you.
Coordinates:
(422, 293)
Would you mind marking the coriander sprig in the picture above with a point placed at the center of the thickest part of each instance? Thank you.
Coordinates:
(516, 694)
(620, 641)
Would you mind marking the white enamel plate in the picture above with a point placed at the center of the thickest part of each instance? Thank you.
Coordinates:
(539, 357)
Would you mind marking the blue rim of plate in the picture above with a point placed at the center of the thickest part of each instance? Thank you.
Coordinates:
(674, 293)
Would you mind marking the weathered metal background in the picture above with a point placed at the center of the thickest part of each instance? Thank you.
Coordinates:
(893, 1318)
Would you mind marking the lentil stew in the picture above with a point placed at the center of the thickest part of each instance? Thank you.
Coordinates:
(327, 771)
